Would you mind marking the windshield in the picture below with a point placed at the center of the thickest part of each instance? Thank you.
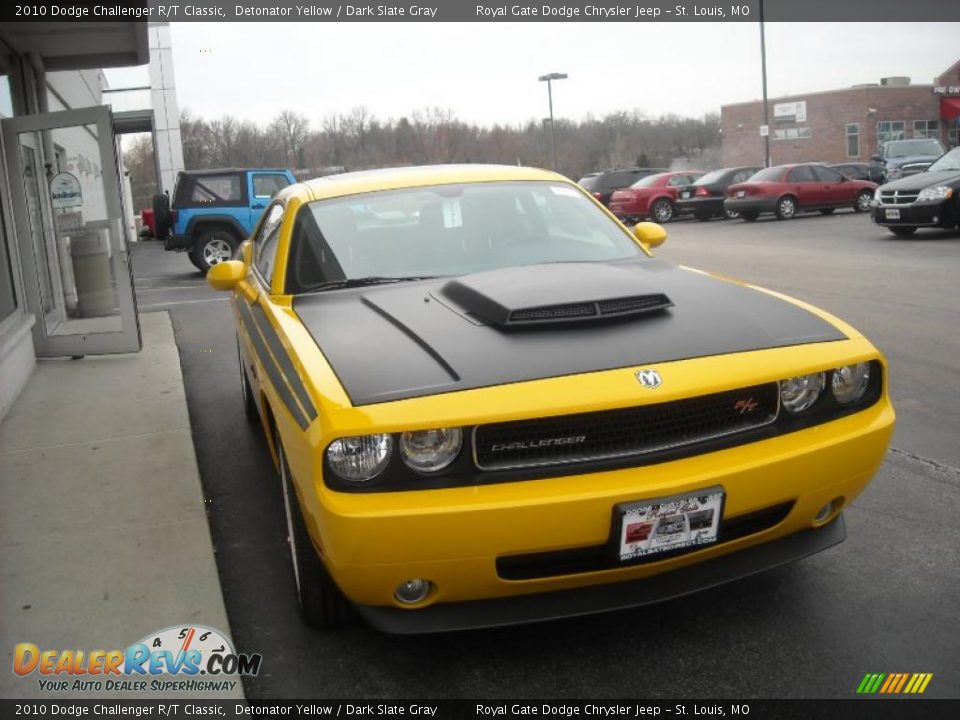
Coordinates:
(648, 181)
(906, 148)
(950, 161)
(450, 230)
(770, 174)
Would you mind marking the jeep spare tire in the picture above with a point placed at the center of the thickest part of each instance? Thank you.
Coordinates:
(161, 215)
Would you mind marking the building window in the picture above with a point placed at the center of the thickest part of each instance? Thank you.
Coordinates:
(952, 136)
(853, 140)
(888, 130)
(796, 133)
(8, 299)
(926, 129)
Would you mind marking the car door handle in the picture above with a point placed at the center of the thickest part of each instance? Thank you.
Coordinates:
(258, 206)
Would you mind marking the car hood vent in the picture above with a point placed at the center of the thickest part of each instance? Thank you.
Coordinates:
(554, 293)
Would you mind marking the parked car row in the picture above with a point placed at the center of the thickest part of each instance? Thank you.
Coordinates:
(930, 199)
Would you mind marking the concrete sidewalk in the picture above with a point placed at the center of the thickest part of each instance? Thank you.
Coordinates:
(103, 534)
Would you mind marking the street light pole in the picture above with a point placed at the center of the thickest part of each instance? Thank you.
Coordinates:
(549, 78)
(763, 70)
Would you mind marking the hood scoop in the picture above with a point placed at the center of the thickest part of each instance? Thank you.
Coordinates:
(550, 294)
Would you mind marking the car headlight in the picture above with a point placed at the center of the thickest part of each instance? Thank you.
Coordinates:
(938, 192)
(893, 173)
(800, 393)
(430, 450)
(876, 195)
(360, 459)
(850, 382)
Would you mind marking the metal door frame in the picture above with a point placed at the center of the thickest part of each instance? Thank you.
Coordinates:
(127, 339)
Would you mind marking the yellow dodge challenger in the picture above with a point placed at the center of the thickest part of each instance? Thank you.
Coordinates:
(488, 403)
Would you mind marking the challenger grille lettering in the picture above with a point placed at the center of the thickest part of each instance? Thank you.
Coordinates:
(533, 444)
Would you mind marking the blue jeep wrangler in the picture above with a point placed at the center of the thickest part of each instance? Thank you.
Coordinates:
(213, 211)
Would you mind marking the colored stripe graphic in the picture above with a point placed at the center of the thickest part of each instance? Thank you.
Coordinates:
(894, 683)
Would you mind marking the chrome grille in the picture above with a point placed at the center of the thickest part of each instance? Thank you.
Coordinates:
(898, 197)
(624, 432)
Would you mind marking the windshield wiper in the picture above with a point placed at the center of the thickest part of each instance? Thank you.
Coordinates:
(365, 281)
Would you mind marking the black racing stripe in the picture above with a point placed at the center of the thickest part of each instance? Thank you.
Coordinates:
(286, 366)
(273, 372)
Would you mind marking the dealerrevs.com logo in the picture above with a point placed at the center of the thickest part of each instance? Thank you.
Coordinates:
(189, 657)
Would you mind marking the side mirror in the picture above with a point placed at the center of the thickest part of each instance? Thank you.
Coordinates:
(226, 275)
(650, 234)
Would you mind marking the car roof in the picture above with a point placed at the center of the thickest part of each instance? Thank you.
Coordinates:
(219, 171)
(365, 181)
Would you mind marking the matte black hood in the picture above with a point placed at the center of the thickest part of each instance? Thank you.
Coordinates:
(922, 180)
(413, 339)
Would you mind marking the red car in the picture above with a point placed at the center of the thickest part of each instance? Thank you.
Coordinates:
(785, 190)
(652, 197)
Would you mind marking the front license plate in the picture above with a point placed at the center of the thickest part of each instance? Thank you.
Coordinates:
(658, 526)
(892, 214)
(741, 193)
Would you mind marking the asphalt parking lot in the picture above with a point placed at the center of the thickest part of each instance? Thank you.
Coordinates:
(884, 601)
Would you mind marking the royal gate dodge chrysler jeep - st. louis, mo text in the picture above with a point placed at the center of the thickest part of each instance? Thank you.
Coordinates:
(489, 403)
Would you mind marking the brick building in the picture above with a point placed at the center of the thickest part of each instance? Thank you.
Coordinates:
(842, 125)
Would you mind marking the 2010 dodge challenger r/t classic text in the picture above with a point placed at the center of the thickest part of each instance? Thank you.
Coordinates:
(489, 403)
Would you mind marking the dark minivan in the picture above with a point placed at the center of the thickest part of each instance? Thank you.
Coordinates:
(603, 183)
(704, 198)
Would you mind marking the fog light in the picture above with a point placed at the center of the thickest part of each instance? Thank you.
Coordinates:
(410, 592)
(828, 510)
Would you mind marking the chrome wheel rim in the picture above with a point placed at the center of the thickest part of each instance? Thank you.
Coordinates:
(288, 511)
(662, 211)
(731, 214)
(216, 251)
(863, 202)
(787, 207)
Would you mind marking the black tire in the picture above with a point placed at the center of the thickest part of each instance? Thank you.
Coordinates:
(322, 605)
(827, 211)
(902, 231)
(249, 404)
(214, 245)
(193, 259)
(662, 211)
(749, 216)
(161, 215)
(862, 203)
(786, 208)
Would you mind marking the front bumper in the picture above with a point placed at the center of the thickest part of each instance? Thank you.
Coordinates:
(928, 214)
(540, 607)
(750, 204)
(458, 538)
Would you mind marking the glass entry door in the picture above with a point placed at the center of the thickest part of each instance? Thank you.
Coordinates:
(69, 216)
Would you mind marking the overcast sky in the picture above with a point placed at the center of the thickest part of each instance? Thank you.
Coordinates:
(487, 72)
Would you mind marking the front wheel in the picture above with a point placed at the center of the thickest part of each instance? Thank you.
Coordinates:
(731, 214)
(863, 201)
(902, 231)
(322, 605)
(662, 211)
(786, 208)
(212, 248)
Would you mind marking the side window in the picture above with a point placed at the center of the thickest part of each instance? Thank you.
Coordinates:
(802, 174)
(266, 186)
(827, 174)
(216, 189)
(740, 176)
(265, 244)
(679, 180)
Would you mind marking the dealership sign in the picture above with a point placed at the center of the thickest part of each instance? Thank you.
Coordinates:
(65, 191)
(790, 112)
